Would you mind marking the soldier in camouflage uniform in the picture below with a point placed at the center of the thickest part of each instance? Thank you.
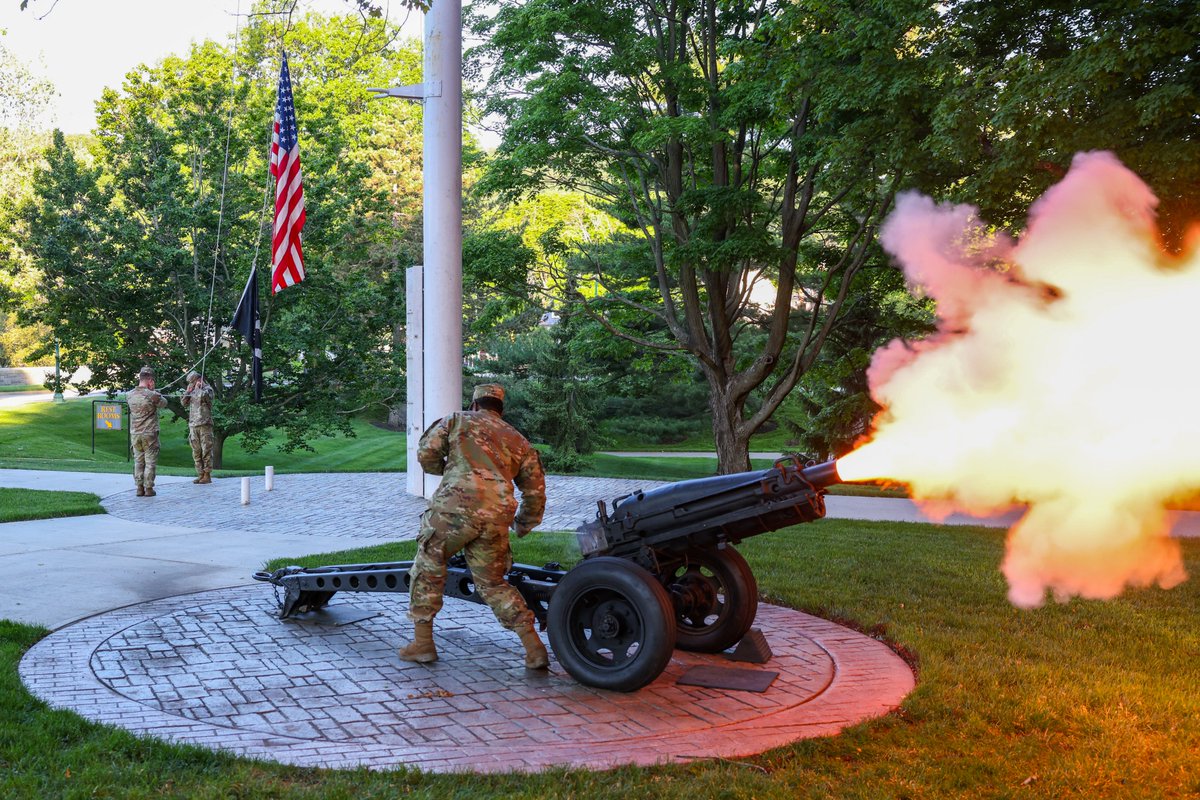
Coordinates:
(198, 400)
(479, 457)
(144, 404)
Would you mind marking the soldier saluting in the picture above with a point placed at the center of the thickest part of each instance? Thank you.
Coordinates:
(198, 400)
(479, 457)
(144, 404)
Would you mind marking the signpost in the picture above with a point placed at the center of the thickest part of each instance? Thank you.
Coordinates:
(109, 415)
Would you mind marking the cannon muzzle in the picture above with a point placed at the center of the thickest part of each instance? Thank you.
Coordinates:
(822, 475)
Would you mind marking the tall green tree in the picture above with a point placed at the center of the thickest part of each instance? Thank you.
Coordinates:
(1036, 82)
(24, 110)
(742, 141)
(142, 256)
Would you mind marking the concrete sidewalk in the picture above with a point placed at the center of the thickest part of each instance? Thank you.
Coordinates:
(192, 538)
(101, 484)
(60, 570)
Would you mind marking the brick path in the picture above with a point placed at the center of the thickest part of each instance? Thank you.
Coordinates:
(354, 505)
(219, 670)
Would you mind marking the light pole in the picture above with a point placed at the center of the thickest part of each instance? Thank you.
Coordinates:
(434, 291)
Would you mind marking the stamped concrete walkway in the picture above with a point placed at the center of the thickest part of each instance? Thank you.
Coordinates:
(218, 669)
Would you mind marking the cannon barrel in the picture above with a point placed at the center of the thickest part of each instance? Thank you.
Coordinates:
(822, 475)
(710, 511)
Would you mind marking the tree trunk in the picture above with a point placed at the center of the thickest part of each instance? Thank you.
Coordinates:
(733, 444)
(397, 417)
(218, 448)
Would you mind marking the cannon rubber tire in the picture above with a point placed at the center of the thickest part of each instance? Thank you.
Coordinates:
(618, 596)
(738, 610)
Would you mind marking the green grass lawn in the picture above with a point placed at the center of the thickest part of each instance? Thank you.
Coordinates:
(19, 504)
(23, 388)
(1082, 700)
(59, 436)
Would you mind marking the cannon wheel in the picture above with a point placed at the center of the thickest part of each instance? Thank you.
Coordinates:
(612, 625)
(720, 599)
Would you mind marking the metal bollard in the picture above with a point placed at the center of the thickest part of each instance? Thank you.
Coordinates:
(270, 479)
(245, 491)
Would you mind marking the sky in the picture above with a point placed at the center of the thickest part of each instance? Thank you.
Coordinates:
(83, 46)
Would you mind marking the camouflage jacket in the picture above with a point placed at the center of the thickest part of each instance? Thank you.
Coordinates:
(143, 410)
(479, 457)
(199, 402)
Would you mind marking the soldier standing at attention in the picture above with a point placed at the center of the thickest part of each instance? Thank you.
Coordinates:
(144, 404)
(198, 400)
(479, 457)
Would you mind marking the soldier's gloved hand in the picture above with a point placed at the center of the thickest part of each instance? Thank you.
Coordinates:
(521, 531)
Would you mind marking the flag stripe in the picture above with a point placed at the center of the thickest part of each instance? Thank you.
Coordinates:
(287, 252)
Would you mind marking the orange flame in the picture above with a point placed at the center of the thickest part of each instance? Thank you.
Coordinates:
(1059, 377)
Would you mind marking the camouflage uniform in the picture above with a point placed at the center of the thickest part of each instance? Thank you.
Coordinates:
(199, 402)
(479, 456)
(143, 429)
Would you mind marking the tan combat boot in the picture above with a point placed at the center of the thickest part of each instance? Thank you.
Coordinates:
(536, 656)
(205, 478)
(141, 492)
(421, 649)
(150, 491)
(199, 478)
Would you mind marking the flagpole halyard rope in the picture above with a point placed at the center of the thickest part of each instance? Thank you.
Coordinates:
(212, 288)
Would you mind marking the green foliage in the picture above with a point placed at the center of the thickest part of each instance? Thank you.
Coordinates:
(24, 103)
(551, 397)
(654, 430)
(831, 408)
(564, 399)
(129, 266)
(24, 345)
(1037, 82)
(736, 142)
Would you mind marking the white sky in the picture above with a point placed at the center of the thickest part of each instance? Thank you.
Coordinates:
(83, 46)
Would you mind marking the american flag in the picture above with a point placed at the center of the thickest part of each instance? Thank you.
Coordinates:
(287, 256)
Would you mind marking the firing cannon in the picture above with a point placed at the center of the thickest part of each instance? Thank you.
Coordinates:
(659, 571)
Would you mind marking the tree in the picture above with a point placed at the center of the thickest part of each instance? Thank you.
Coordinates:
(131, 267)
(742, 141)
(24, 106)
(1039, 81)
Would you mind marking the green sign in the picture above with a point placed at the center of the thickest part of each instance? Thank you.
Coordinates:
(108, 417)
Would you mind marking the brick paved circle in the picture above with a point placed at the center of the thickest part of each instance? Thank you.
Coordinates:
(350, 504)
(219, 670)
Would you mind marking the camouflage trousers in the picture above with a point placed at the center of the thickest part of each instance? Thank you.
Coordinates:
(201, 439)
(485, 545)
(145, 458)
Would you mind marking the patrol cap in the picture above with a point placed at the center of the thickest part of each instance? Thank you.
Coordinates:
(191, 376)
(493, 390)
(146, 372)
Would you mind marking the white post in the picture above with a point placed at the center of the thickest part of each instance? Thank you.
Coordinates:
(270, 479)
(442, 149)
(245, 491)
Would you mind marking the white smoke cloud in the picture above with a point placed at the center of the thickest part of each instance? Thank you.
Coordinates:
(1063, 375)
